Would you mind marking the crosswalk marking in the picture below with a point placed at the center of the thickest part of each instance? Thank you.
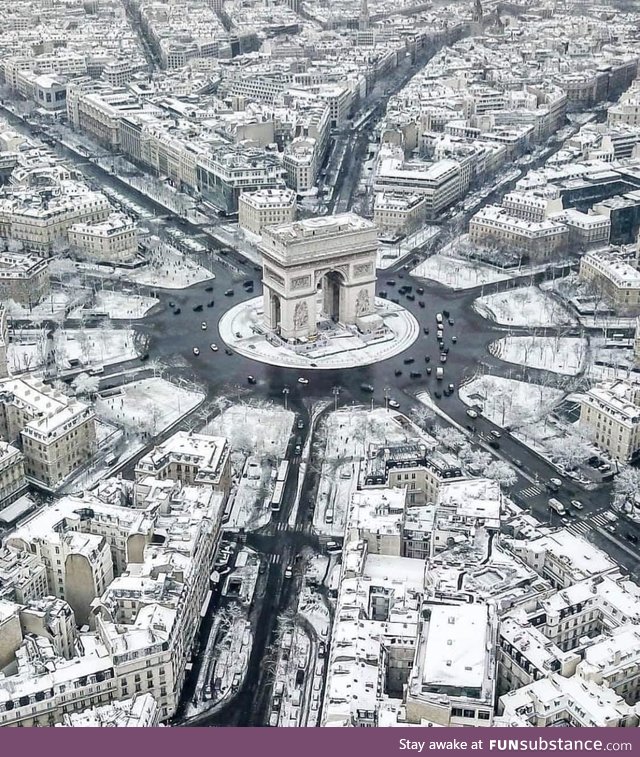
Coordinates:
(531, 491)
(284, 526)
(274, 559)
(582, 527)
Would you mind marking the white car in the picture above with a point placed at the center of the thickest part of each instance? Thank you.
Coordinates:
(214, 347)
(204, 326)
(577, 504)
(394, 404)
(472, 413)
(555, 481)
(288, 573)
(303, 380)
(196, 351)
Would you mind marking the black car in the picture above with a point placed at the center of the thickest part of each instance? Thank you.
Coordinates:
(367, 388)
(451, 322)
(411, 297)
(398, 372)
(427, 358)
(177, 311)
(197, 308)
(208, 289)
(445, 313)
(409, 360)
(396, 300)
(211, 303)
(421, 303)
(391, 283)
(172, 304)
(248, 283)
(251, 380)
(494, 444)
(437, 395)
(382, 294)
(229, 293)
(445, 350)
(227, 351)
(403, 290)
(631, 537)
(415, 374)
(420, 290)
(425, 329)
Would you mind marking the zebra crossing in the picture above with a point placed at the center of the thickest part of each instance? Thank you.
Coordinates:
(284, 526)
(583, 527)
(275, 559)
(530, 491)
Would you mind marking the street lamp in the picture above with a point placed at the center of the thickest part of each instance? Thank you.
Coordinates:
(336, 392)
(285, 392)
(386, 398)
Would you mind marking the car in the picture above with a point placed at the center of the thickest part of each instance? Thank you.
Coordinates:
(451, 387)
(631, 537)
(303, 380)
(445, 313)
(437, 395)
(454, 339)
(494, 444)
(227, 351)
(300, 424)
(439, 335)
(171, 304)
(420, 290)
(211, 303)
(297, 450)
(517, 462)
(575, 503)
(611, 517)
(566, 521)
(382, 294)
(443, 357)
(470, 428)
(196, 351)
(472, 413)
(421, 303)
(394, 404)
(425, 329)
(397, 372)
(197, 308)
(391, 283)
(415, 375)
(427, 358)
(555, 481)
(367, 388)
(333, 547)
(229, 293)
(409, 360)
(177, 311)
(248, 284)
(209, 288)
(251, 380)
(395, 300)
(428, 370)
(610, 528)
(445, 350)
(495, 434)
(411, 297)
(288, 572)
(451, 322)
(204, 325)
(214, 347)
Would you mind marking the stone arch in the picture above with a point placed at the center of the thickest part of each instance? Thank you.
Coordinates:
(331, 282)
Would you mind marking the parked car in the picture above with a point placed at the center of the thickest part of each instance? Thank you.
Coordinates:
(214, 347)
(196, 351)
(575, 503)
(472, 413)
(394, 404)
(204, 326)
(303, 380)
(229, 293)
(415, 375)
(251, 380)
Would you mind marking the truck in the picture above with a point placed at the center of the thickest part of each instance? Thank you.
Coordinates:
(439, 373)
(556, 505)
(439, 317)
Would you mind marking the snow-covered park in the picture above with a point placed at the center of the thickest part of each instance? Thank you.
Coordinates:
(564, 355)
(526, 306)
(149, 406)
(102, 346)
(51, 306)
(508, 402)
(118, 305)
(456, 273)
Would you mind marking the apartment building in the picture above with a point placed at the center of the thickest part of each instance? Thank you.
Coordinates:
(57, 433)
(23, 577)
(395, 214)
(12, 477)
(616, 278)
(610, 414)
(141, 711)
(301, 162)
(4, 342)
(493, 225)
(23, 278)
(266, 207)
(114, 240)
(191, 459)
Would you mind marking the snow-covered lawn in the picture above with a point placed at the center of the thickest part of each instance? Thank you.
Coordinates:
(458, 274)
(527, 306)
(507, 402)
(564, 355)
(28, 354)
(261, 430)
(120, 305)
(168, 268)
(94, 346)
(148, 406)
(50, 306)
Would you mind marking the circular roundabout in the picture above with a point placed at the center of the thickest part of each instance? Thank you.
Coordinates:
(243, 329)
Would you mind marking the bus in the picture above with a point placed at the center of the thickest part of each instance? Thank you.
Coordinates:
(283, 471)
(556, 505)
(276, 499)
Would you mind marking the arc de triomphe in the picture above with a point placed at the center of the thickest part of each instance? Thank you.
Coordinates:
(318, 268)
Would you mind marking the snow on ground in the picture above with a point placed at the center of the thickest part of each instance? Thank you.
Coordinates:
(314, 609)
(456, 273)
(507, 402)
(565, 355)
(526, 306)
(258, 435)
(51, 305)
(389, 254)
(344, 437)
(94, 346)
(338, 347)
(149, 406)
(28, 354)
(119, 305)
(168, 268)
